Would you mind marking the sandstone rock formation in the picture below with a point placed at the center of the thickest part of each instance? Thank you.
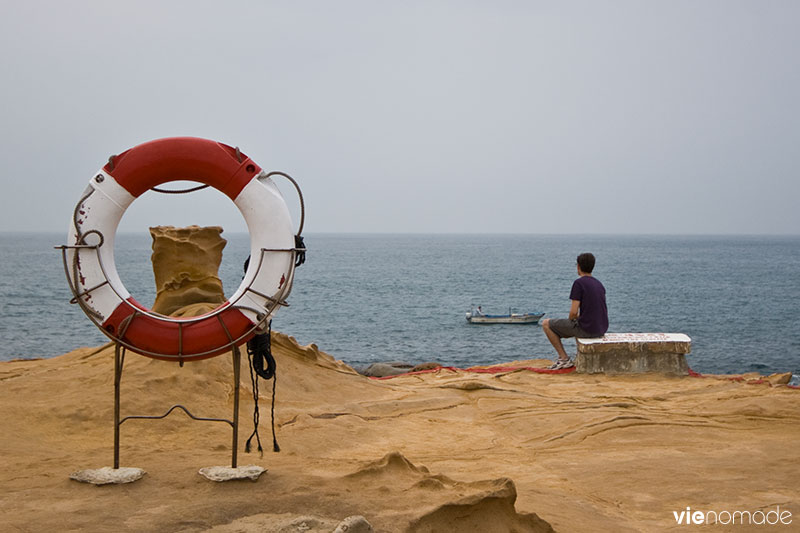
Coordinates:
(185, 265)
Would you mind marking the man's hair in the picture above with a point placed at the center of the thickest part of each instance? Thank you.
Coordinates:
(586, 262)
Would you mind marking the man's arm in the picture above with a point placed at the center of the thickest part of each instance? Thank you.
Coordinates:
(574, 310)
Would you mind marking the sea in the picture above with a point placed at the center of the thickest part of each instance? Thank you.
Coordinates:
(366, 298)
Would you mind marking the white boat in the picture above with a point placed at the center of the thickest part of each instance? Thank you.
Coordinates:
(475, 316)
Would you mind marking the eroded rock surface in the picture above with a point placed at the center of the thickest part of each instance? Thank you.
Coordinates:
(185, 264)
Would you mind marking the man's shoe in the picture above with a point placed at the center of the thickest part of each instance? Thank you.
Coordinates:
(561, 363)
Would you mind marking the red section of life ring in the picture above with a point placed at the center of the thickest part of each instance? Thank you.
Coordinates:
(195, 340)
(149, 165)
(152, 163)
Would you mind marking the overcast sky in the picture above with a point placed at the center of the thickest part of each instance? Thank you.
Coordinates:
(462, 116)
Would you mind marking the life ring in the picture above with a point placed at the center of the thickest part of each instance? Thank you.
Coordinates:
(92, 272)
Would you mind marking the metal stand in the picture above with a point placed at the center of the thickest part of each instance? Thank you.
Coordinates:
(119, 359)
(256, 311)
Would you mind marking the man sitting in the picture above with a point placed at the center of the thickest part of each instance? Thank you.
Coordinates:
(588, 315)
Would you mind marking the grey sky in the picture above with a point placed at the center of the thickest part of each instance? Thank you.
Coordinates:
(462, 116)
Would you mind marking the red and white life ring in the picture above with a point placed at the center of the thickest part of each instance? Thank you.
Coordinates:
(93, 274)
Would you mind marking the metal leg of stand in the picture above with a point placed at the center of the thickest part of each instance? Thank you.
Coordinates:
(118, 361)
(237, 357)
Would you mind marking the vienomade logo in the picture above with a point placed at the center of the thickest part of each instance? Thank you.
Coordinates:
(772, 518)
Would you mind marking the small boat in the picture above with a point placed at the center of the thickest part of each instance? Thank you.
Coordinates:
(476, 316)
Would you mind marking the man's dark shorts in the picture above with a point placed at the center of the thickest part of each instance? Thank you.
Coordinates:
(565, 328)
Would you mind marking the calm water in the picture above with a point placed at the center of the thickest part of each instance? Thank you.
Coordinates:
(366, 298)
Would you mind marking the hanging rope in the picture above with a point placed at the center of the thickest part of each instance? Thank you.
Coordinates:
(259, 352)
(259, 348)
(300, 251)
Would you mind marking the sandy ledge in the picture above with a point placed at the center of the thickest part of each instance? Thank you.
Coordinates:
(442, 451)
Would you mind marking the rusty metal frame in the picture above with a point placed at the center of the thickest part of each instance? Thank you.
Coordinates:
(119, 360)
(120, 346)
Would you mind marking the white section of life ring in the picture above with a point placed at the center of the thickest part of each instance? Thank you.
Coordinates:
(100, 212)
(270, 227)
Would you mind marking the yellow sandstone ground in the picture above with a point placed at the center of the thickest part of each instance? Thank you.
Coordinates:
(442, 451)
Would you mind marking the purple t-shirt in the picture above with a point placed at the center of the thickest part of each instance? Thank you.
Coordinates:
(593, 318)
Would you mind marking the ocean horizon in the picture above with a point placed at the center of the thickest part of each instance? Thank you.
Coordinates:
(368, 297)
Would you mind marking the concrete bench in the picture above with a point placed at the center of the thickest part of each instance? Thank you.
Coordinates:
(633, 353)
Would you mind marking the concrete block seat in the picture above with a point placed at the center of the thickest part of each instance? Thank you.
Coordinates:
(634, 353)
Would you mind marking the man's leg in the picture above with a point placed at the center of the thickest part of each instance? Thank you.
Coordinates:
(554, 339)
